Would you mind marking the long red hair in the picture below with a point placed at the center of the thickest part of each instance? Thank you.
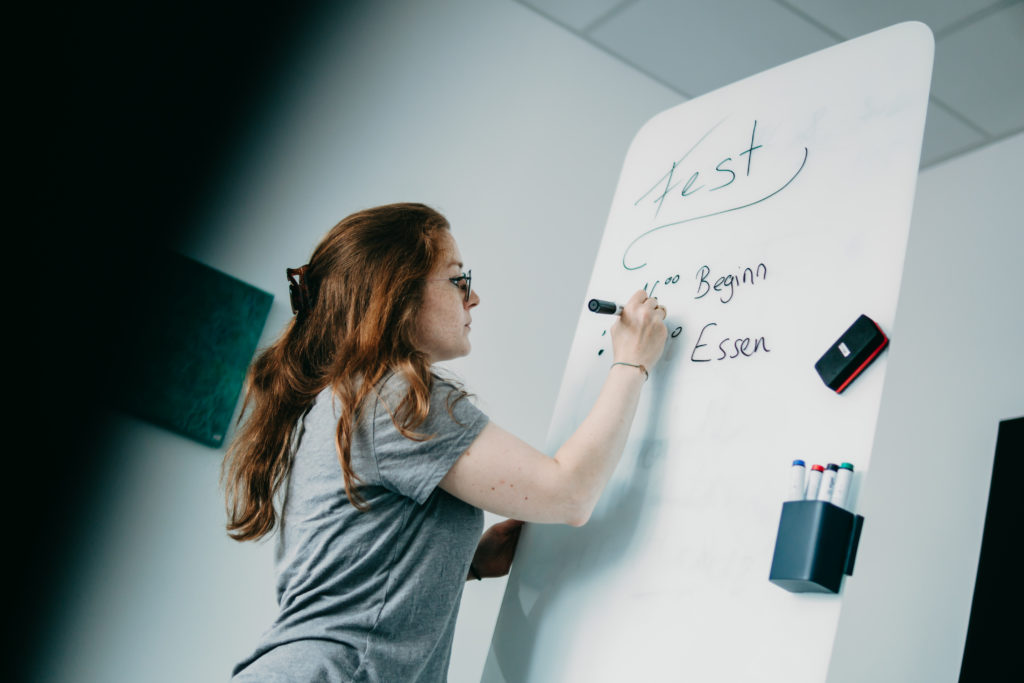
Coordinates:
(365, 282)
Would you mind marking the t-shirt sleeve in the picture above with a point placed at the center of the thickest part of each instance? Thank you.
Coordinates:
(414, 468)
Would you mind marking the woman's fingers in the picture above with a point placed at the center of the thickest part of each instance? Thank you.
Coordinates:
(654, 305)
(639, 296)
(662, 309)
(639, 334)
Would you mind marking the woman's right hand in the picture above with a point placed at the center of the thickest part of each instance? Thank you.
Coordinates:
(639, 335)
(505, 475)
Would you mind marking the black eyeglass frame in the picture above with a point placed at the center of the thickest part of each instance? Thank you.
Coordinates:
(468, 277)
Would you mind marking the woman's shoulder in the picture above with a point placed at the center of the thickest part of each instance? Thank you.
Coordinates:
(391, 391)
(447, 398)
(396, 384)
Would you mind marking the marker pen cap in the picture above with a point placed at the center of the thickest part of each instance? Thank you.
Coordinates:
(602, 306)
(796, 481)
(828, 482)
(813, 479)
(841, 491)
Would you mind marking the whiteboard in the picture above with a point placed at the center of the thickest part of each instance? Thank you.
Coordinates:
(767, 216)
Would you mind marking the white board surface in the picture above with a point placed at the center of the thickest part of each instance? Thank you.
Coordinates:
(791, 191)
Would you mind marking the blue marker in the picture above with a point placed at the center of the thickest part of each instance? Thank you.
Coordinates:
(796, 480)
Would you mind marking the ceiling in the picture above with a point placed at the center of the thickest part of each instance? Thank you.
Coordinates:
(696, 46)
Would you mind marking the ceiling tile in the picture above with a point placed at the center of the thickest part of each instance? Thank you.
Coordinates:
(852, 18)
(697, 46)
(945, 135)
(978, 71)
(576, 14)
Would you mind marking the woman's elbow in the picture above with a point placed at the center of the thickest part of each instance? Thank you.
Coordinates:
(578, 520)
(579, 514)
(577, 501)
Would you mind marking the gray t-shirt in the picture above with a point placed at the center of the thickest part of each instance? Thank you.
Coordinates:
(371, 596)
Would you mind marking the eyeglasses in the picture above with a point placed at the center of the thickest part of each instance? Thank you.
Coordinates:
(463, 282)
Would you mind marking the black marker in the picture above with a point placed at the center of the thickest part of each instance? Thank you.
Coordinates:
(602, 306)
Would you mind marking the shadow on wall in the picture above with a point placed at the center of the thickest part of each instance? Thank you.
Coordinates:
(135, 110)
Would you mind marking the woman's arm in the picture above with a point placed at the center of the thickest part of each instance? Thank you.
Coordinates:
(502, 474)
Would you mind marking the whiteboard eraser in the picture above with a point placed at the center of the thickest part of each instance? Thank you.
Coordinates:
(851, 353)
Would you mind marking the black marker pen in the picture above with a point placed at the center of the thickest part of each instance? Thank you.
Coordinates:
(602, 306)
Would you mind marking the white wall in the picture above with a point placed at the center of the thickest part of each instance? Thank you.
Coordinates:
(954, 372)
(516, 131)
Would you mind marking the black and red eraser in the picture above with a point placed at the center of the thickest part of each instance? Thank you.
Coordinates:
(851, 353)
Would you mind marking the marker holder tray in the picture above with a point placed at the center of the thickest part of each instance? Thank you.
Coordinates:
(816, 545)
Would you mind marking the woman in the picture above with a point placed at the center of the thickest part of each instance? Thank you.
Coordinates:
(381, 469)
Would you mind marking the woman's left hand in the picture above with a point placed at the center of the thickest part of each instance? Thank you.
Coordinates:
(497, 547)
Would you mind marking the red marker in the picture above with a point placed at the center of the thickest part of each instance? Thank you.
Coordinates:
(813, 480)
